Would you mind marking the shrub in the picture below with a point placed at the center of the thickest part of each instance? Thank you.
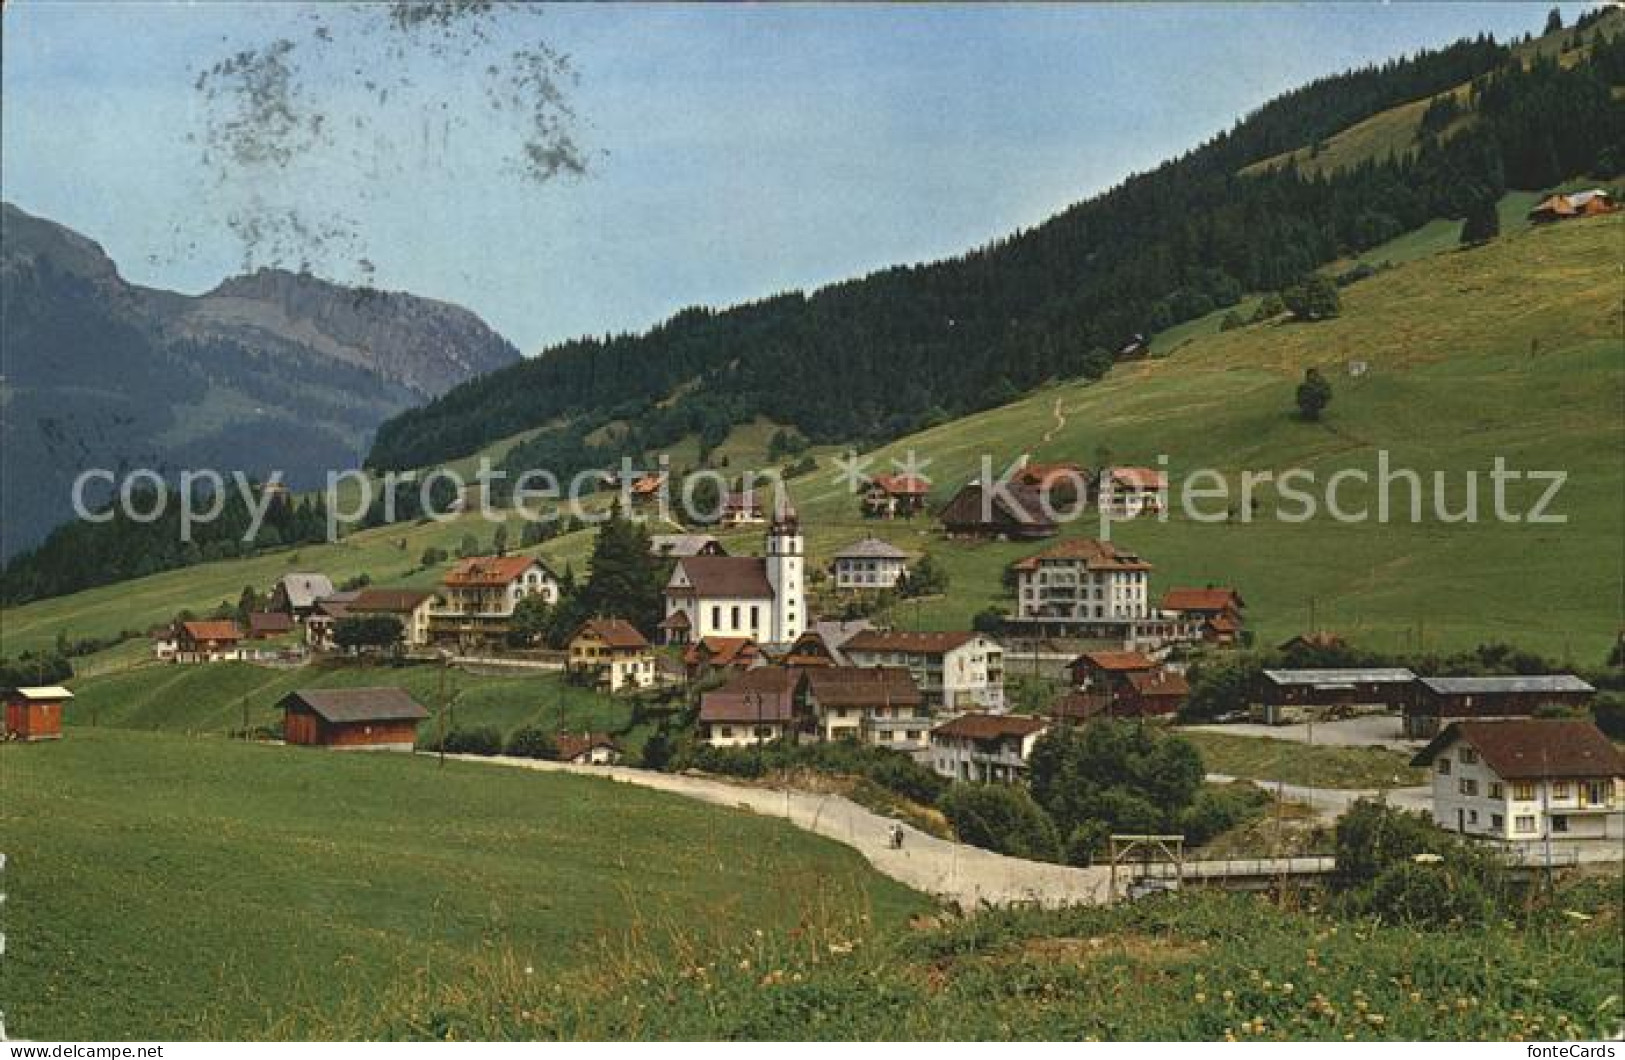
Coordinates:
(1432, 894)
(531, 742)
(479, 741)
(1002, 819)
(1216, 811)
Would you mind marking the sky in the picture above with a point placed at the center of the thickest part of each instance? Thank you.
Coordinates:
(732, 151)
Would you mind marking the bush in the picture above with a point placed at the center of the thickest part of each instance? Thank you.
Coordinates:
(1086, 842)
(531, 742)
(481, 741)
(1002, 819)
(1432, 894)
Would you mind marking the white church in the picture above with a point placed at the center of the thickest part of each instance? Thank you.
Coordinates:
(761, 597)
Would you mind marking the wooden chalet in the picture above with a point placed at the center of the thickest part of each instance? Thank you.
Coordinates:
(352, 718)
(1007, 513)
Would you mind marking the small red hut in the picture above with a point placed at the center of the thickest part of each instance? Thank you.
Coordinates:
(35, 713)
(358, 718)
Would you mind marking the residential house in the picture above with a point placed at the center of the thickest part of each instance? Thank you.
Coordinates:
(588, 749)
(296, 594)
(821, 645)
(1127, 684)
(879, 706)
(681, 546)
(1159, 693)
(329, 609)
(1441, 700)
(1128, 492)
(413, 608)
(954, 671)
(611, 655)
(1591, 203)
(1213, 614)
(1103, 671)
(1004, 512)
(1086, 581)
(986, 748)
(265, 625)
(213, 640)
(479, 594)
(763, 598)
(1287, 696)
(647, 489)
(741, 508)
(35, 712)
(710, 655)
(164, 643)
(381, 719)
(869, 564)
(1065, 483)
(895, 496)
(1523, 781)
(757, 706)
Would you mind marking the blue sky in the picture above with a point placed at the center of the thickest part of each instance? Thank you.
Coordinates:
(738, 150)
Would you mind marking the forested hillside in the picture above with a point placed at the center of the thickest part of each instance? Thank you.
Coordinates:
(845, 363)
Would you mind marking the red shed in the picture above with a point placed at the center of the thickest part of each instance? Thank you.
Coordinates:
(371, 718)
(35, 713)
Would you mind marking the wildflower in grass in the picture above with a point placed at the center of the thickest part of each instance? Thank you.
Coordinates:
(1201, 998)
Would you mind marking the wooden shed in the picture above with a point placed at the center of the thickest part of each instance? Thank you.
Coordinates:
(352, 718)
(35, 713)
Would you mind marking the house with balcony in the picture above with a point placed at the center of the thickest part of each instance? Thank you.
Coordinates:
(1527, 781)
(479, 594)
(609, 654)
(985, 748)
(878, 706)
(954, 671)
(895, 496)
(1129, 492)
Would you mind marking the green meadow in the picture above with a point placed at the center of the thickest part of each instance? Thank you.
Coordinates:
(161, 886)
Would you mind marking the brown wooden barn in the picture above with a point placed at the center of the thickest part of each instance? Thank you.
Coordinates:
(35, 713)
(1011, 512)
(352, 718)
(1441, 700)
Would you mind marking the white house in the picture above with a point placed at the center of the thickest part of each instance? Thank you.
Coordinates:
(1528, 780)
(611, 654)
(1127, 492)
(411, 607)
(760, 597)
(879, 706)
(954, 671)
(870, 564)
(479, 594)
(1083, 579)
(985, 748)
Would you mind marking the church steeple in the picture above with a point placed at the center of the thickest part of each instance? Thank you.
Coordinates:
(785, 572)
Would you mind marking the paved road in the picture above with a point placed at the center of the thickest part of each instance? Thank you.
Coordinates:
(952, 871)
(1380, 730)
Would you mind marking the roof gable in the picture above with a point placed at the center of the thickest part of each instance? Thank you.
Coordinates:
(1532, 749)
(342, 705)
(737, 577)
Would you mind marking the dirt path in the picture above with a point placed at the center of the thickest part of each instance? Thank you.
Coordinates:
(1060, 422)
(955, 872)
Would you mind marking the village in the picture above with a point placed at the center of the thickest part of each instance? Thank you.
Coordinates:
(762, 650)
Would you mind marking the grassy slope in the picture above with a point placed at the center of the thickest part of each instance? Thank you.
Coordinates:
(167, 887)
(220, 698)
(1294, 763)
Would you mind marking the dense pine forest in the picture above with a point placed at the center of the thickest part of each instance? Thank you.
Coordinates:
(845, 362)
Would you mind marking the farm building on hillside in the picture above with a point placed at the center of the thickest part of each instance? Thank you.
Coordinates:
(1128, 492)
(352, 718)
(1527, 781)
(1441, 700)
(1126, 684)
(296, 594)
(263, 625)
(895, 496)
(1064, 483)
(1005, 512)
(1592, 203)
(35, 713)
(869, 564)
(411, 607)
(215, 640)
(1291, 695)
(681, 546)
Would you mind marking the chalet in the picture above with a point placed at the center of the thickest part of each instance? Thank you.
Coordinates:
(328, 610)
(1292, 695)
(1064, 483)
(809, 650)
(1005, 512)
(588, 749)
(264, 625)
(1104, 671)
(954, 671)
(879, 706)
(479, 594)
(763, 598)
(1082, 579)
(1077, 708)
(985, 748)
(895, 496)
(741, 508)
(1159, 693)
(646, 489)
(869, 564)
(384, 719)
(1128, 684)
(35, 713)
(1592, 203)
(214, 640)
(682, 546)
(610, 654)
(411, 607)
(757, 706)
(164, 643)
(1128, 492)
(1211, 615)
(296, 594)
(1441, 700)
(712, 654)
(1527, 780)
(1312, 643)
